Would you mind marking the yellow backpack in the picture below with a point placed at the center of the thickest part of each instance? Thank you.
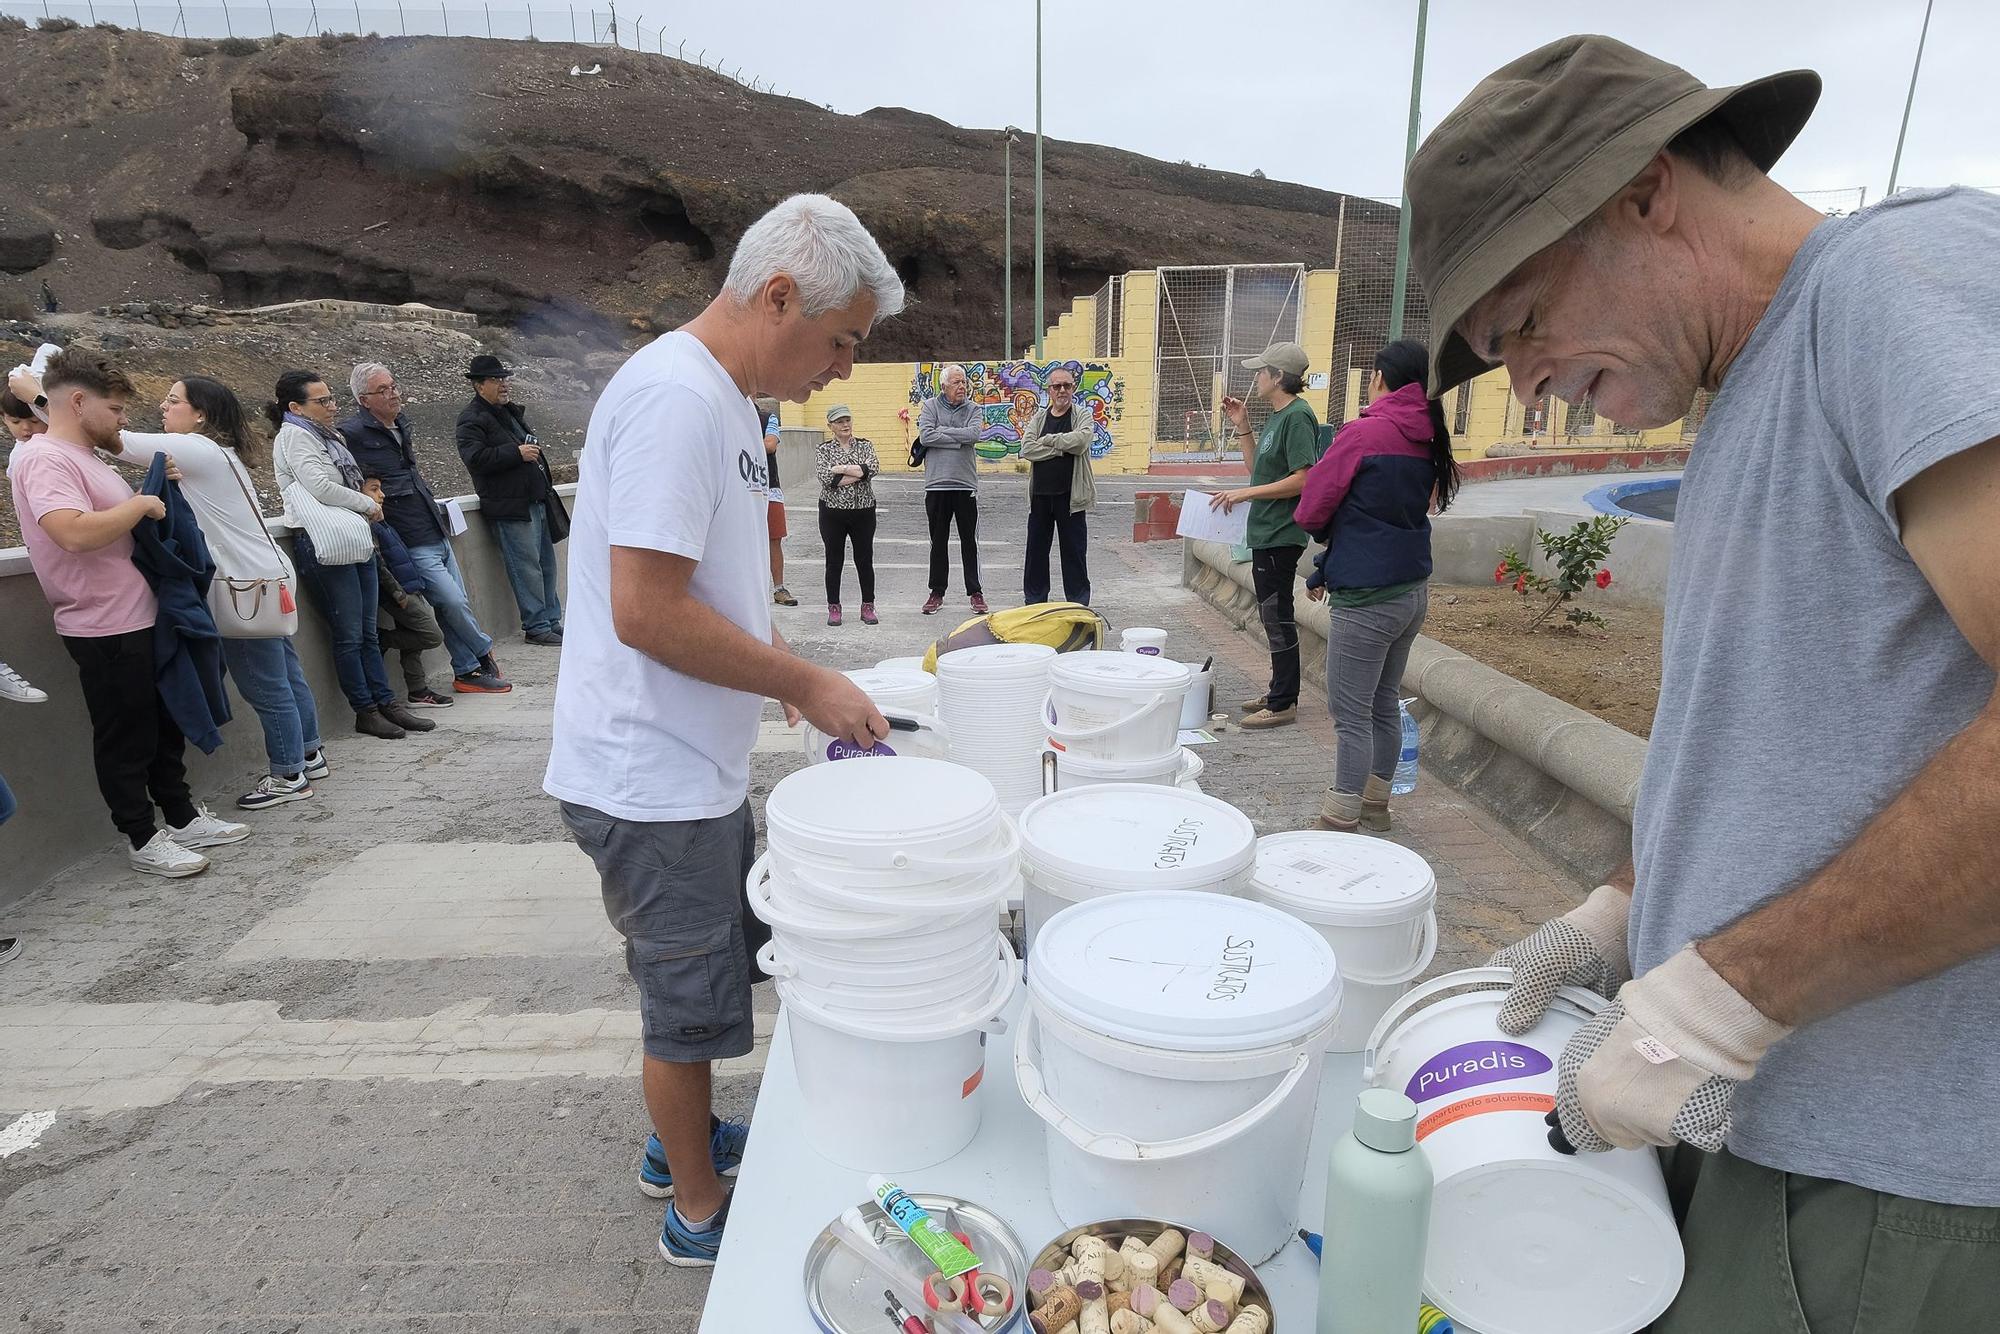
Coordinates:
(1063, 626)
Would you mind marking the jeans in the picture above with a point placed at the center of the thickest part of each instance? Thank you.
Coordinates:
(530, 557)
(346, 596)
(268, 675)
(134, 742)
(836, 529)
(412, 631)
(1049, 516)
(1366, 652)
(943, 509)
(444, 589)
(6, 801)
(1273, 571)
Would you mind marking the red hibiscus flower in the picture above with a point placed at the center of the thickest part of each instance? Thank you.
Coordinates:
(1604, 578)
(1521, 584)
(1500, 573)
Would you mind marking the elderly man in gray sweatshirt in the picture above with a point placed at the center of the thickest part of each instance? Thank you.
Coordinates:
(948, 426)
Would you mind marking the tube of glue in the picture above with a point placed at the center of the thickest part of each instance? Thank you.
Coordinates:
(951, 1256)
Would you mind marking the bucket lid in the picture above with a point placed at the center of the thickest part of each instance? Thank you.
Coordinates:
(1070, 762)
(1343, 879)
(1107, 671)
(1188, 972)
(893, 681)
(902, 800)
(1137, 836)
(995, 660)
(914, 664)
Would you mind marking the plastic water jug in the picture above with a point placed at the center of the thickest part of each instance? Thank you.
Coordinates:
(1405, 781)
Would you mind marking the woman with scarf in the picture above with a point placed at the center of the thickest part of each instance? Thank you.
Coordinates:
(321, 485)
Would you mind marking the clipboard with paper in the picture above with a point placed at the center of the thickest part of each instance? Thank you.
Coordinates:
(1204, 520)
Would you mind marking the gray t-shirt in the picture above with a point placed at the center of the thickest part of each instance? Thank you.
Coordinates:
(1810, 672)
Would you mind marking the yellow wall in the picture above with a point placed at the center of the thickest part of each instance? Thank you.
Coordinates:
(1316, 333)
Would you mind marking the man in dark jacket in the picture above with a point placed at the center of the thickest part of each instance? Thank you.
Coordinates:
(516, 493)
(379, 434)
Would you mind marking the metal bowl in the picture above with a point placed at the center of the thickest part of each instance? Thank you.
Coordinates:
(1115, 1230)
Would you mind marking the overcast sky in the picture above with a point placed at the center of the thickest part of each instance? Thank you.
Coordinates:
(1318, 91)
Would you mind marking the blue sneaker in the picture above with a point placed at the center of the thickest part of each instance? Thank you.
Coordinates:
(725, 1147)
(692, 1248)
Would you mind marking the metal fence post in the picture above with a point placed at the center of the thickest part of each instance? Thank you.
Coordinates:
(312, 20)
(572, 23)
(402, 22)
(531, 23)
(271, 14)
(446, 16)
(228, 27)
(489, 19)
(137, 21)
(88, 4)
(357, 17)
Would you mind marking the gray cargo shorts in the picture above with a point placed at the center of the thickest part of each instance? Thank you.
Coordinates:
(675, 892)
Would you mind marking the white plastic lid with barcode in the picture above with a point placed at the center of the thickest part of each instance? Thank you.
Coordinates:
(1190, 972)
(1124, 836)
(1343, 879)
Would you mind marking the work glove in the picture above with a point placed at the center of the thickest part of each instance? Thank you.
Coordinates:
(1585, 947)
(1660, 1063)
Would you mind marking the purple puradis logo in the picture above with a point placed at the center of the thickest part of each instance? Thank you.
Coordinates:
(840, 750)
(1473, 1064)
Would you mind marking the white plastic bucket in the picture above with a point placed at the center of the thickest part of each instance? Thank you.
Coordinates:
(990, 875)
(1062, 771)
(1524, 1240)
(1172, 1046)
(908, 991)
(1145, 639)
(1191, 768)
(1371, 898)
(892, 1098)
(1118, 838)
(783, 911)
(909, 664)
(896, 813)
(912, 733)
(1194, 704)
(991, 697)
(1116, 706)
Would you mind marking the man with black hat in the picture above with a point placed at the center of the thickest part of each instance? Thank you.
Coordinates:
(516, 493)
(1283, 454)
(1810, 939)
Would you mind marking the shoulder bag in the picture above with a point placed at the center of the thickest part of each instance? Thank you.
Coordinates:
(253, 608)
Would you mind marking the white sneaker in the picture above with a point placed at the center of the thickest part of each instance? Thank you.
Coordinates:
(207, 830)
(14, 686)
(165, 857)
(316, 765)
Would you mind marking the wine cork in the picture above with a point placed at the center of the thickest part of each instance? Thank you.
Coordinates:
(1130, 1246)
(1167, 1245)
(1207, 1275)
(1170, 1271)
(1146, 1299)
(1142, 1268)
(1115, 1302)
(1211, 1316)
(1168, 1319)
(1201, 1245)
(1095, 1318)
(1089, 1290)
(1129, 1322)
(1251, 1320)
(1040, 1281)
(1087, 1245)
(1071, 1328)
(1060, 1306)
(1090, 1265)
(1185, 1293)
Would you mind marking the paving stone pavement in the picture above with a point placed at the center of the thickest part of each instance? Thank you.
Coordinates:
(376, 1070)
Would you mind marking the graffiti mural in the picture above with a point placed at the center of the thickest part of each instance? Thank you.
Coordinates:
(1010, 392)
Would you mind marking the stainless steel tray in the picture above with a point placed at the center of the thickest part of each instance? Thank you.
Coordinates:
(1115, 1230)
(845, 1297)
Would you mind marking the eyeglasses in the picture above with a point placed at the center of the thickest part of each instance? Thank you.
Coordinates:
(1055, 385)
(380, 389)
(323, 401)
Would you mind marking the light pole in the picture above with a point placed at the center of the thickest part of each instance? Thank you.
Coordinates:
(1897, 165)
(1409, 151)
(1007, 234)
(1041, 321)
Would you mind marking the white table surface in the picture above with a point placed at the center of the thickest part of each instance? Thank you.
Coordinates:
(786, 1193)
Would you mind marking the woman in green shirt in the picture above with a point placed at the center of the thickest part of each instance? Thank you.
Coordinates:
(1284, 453)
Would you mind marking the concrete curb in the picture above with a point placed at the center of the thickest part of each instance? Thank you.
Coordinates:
(1562, 778)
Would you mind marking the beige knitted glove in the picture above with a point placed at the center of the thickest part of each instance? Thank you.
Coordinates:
(1585, 947)
(1661, 1063)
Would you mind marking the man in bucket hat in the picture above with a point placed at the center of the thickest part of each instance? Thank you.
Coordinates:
(1280, 457)
(1817, 898)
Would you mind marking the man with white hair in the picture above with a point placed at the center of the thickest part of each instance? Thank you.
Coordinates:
(948, 426)
(378, 432)
(1803, 983)
(669, 654)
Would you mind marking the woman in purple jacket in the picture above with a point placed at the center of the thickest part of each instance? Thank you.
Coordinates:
(1370, 498)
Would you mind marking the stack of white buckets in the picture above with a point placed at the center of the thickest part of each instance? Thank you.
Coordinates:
(882, 887)
(990, 699)
(1115, 717)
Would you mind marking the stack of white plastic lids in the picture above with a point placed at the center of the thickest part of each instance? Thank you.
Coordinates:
(881, 887)
(1117, 838)
(909, 664)
(990, 699)
(898, 687)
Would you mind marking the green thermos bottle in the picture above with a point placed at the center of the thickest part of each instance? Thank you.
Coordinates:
(1378, 1218)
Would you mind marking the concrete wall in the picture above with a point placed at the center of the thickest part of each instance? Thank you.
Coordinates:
(45, 748)
(1465, 548)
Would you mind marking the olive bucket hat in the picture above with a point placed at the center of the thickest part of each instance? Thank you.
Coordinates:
(1545, 141)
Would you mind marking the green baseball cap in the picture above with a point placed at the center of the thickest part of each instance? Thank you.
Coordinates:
(836, 412)
(1289, 358)
(1544, 142)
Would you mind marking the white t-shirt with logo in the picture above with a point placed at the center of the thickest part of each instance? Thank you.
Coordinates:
(673, 461)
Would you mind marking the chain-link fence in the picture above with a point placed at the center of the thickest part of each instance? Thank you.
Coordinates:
(1209, 319)
(1107, 338)
(403, 18)
(1364, 249)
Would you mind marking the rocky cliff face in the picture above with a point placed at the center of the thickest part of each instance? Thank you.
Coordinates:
(481, 175)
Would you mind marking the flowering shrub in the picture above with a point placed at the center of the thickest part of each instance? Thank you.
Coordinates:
(1578, 556)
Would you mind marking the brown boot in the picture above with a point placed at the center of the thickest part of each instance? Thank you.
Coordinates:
(1340, 811)
(1375, 805)
(370, 722)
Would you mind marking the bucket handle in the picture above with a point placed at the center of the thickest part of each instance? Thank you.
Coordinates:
(904, 860)
(1425, 953)
(767, 959)
(1058, 734)
(1487, 979)
(1048, 773)
(848, 899)
(1123, 1148)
